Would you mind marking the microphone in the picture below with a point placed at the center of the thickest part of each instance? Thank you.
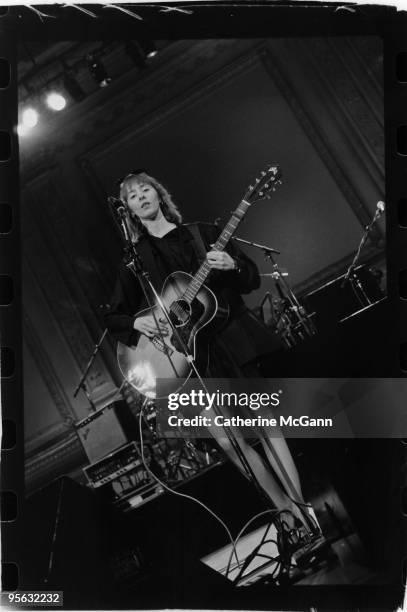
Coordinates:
(118, 206)
(380, 207)
(116, 203)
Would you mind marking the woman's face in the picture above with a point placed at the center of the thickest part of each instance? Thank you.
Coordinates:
(143, 199)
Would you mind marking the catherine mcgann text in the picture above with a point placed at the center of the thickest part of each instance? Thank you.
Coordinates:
(214, 402)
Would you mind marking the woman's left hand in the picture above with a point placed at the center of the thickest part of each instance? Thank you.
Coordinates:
(220, 260)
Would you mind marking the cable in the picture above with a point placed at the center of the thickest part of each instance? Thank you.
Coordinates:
(184, 495)
(243, 529)
(256, 553)
(309, 519)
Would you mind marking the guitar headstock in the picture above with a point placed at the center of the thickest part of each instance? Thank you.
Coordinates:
(264, 185)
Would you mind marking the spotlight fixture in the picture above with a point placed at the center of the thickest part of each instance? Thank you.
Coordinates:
(72, 87)
(29, 118)
(149, 48)
(98, 71)
(56, 101)
(22, 130)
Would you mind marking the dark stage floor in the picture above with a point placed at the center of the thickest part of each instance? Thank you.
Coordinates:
(151, 556)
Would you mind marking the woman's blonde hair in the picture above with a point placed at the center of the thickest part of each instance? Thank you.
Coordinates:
(169, 209)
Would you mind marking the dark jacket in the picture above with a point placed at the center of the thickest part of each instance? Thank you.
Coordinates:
(128, 298)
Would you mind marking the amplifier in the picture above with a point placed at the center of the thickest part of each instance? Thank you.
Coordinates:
(122, 461)
(122, 478)
(101, 432)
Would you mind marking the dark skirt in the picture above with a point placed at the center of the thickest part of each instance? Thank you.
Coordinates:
(237, 349)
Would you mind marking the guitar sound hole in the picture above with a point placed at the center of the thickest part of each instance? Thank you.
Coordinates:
(180, 312)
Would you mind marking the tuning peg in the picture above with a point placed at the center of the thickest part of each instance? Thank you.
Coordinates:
(263, 173)
(272, 178)
(261, 194)
(257, 180)
(266, 186)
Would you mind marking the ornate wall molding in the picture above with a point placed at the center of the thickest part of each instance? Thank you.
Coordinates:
(44, 364)
(59, 458)
(154, 118)
(51, 267)
(349, 101)
(181, 65)
(321, 142)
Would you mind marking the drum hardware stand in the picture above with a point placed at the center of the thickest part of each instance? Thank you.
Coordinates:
(278, 314)
(295, 319)
(135, 265)
(350, 275)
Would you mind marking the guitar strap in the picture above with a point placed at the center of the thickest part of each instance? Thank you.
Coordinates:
(197, 243)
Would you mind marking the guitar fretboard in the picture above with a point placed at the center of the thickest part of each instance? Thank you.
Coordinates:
(228, 231)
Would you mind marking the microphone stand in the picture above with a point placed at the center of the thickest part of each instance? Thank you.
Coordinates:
(135, 265)
(263, 247)
(305, 322)
(350, 276)
(81, 383)
(283, 288)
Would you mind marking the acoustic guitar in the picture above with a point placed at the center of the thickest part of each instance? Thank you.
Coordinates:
(192, 307)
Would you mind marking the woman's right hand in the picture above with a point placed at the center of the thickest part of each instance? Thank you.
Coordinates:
(147, 326)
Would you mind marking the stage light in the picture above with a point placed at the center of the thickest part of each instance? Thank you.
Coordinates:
(149, 48)
(139, 51)
(98, 71)
(29, 118)
(56, 101)
(72, 87)
(22, 130)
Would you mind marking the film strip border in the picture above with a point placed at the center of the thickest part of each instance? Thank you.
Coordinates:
(12, 442)
(395, 55)
(179, 20)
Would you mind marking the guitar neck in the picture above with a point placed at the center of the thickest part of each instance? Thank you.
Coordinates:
(227, 233)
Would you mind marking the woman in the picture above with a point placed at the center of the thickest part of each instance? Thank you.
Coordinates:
(165, 246)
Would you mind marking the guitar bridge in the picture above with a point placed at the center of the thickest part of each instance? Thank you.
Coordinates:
(161, 346)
